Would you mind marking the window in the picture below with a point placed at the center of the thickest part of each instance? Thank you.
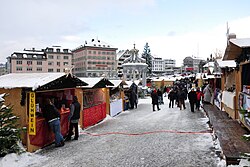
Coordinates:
(19, 68)
(99, 52)
(50, 50)
(29, 63)
(19, 62)
(50, 57)
(57, 70)
(50, 70)
(65, 63)
(94, 52)
(65, 57)
(58, 63)
(103, 53)
(50, 63)
(89, 52)
(39, 63)
(58, 50)
(58, 57)
(65, 50)
(39, 69)
(29, 69)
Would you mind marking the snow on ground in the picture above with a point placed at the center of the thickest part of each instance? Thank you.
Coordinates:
(33, 159)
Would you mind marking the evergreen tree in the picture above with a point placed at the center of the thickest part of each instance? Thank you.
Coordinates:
(9, 131)
(148, 57)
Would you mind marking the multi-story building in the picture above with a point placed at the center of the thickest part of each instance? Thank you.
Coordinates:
(191, 64)
(50, 59)
(2, 69)
(158, 65)
(95, 58)
(121, 56)
(161, 66)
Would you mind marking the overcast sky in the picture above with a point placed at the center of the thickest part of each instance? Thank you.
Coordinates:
(173, 28)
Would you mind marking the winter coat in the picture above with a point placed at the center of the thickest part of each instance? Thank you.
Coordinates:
(154, 97)
(208, 93)
(50, 112)
(75, 109)
(182, 95)
(171, 95)
(192, 96)
(199, 94)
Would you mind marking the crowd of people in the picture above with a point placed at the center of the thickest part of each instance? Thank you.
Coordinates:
(180, 92)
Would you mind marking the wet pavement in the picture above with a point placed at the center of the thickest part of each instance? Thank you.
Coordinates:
(140, 137)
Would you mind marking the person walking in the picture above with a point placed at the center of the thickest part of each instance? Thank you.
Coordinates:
(160, 96)
(52, 116)
(74, 117)
(171, 97)
(181, 97)
(199, 95)
(192, 99)
(208, 93)
(155, 99)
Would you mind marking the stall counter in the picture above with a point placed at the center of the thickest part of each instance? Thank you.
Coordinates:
(44, 136)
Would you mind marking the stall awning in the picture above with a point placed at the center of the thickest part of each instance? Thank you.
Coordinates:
(40, 81)
(96, 82)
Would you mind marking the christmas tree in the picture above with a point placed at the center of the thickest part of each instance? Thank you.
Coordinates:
(148, 57)
(9, 131)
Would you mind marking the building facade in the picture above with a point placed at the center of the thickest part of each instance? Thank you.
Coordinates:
(191, 64)
(50, 59)
(95, 59)
(163, 66)
(121, 56)
(3, 69)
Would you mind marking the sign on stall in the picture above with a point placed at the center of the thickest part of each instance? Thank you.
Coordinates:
(32, 114)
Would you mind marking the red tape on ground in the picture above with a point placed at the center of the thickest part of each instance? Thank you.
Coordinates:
(145, 133)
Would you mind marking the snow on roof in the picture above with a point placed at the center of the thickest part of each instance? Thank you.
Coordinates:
(98, 43)
(209, 64)
(27, 80)
(120, 53)
(117, 83)
(227, 63)
(29, 52)
(90, 81)
(243, 42)
(134, 64)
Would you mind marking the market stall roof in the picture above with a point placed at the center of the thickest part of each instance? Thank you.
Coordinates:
(118, 82)
(40, 81)
(226, 63)
(209, 64)
(96, 82)
(234, 48)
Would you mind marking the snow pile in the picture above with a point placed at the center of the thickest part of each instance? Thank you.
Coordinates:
(22, 160)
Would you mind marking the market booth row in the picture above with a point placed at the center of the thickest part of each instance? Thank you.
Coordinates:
(96, 101)
(239, 50)
(27, 93)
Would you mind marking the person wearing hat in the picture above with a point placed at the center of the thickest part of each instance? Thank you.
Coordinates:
(74, 117)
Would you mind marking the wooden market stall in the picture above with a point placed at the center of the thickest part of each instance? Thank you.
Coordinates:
(27, 93)
(117, 97)
(228, 99)
(96, 102)
(239, 50)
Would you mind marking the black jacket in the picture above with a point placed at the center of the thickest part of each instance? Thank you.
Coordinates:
(76, 112)
(192, 96)
(50, 112)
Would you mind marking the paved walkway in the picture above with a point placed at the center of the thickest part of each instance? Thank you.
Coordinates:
(229, 133)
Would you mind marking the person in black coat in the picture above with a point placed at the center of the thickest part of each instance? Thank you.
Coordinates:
(155, 99)
(171, 97)
(192, 99)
